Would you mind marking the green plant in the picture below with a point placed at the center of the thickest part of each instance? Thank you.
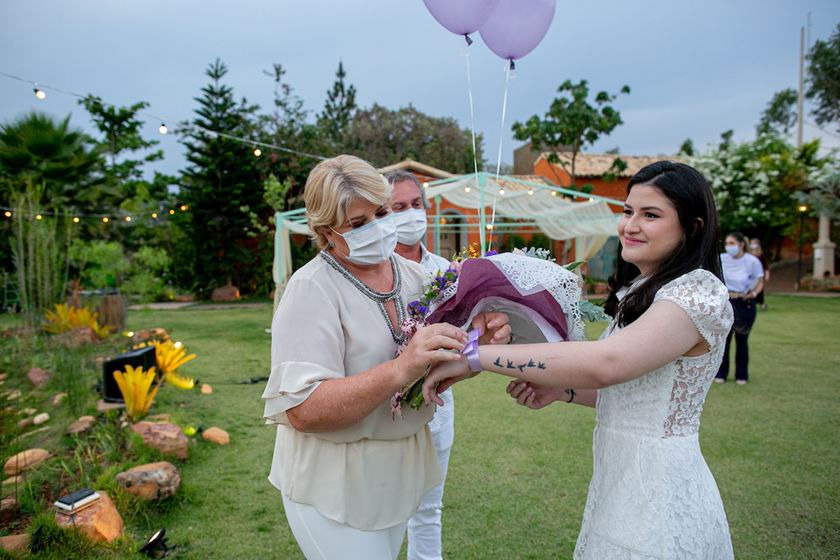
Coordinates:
(39, 254)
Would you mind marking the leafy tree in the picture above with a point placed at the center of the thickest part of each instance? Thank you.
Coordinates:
(571, 123)
(824, 79)
(42, 151)
(220, 185)
(126, 153)
(288, 127)
(383, 136)
(780, 115)
(338, 108)
(823, 194)
(755, 182)
(687, 148)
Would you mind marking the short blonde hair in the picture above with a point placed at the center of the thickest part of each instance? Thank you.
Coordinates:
(335, 183)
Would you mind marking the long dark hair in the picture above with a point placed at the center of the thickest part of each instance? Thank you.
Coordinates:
(691, 195)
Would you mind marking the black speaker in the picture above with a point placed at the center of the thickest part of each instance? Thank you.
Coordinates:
(145, 358)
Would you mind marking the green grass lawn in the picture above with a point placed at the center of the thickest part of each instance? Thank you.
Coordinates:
(518, 478)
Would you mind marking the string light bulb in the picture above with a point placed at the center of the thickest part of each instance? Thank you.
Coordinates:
(501, 192)
(162, 128)
(154, 215)
(467, 189)
(39, 217)
(39, 93)
(184, 208)
(76, 219)
(7, 214)
(425, 185)
(531, 192)
(128, 218)
(105, 220)
(171, 212)
(257, 152)
(553, 193)
(489, 227)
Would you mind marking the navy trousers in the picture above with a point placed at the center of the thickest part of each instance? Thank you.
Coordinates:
(744, 318)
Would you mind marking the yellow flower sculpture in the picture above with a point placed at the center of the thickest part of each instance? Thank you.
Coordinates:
(136, 387)
(170, 356)
(66, 318)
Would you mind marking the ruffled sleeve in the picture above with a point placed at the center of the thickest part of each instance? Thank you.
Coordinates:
(307, 347)
(705, 300)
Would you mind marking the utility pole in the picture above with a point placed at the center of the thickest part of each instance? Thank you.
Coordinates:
(800, 101)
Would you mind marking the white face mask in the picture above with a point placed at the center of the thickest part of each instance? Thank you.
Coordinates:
(372, 243)
(411, 225)
(733, 249)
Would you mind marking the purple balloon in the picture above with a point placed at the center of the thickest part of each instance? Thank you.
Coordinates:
(516, 27)
(461, 16)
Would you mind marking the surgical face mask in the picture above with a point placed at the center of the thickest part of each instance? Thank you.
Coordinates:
(733, 250)
(411, 225)
(372, 243)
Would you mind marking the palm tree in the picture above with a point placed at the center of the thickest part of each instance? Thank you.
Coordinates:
(39, 150)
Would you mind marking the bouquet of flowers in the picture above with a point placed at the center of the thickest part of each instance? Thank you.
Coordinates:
(541, 298)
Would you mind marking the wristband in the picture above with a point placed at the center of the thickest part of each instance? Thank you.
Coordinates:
(470, 350)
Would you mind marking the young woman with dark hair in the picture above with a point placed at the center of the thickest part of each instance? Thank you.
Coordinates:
(651, 494)
(744, 277)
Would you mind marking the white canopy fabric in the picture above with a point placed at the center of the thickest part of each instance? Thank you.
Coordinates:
(590, 222)
(556, 216)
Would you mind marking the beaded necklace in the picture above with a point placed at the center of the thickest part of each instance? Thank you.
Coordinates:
(379, 298)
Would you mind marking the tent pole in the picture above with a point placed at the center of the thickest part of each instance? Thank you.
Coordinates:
(437, 226)
(482, 182)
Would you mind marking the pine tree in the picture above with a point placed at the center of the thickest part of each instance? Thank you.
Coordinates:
(339, 107)
(221, 187)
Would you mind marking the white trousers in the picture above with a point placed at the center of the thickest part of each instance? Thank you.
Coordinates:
(424, 527)
(321, 538)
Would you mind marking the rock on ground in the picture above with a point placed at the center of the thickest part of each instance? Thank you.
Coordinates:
(154, 481)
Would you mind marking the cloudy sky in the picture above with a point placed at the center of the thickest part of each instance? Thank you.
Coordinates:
(695, 68)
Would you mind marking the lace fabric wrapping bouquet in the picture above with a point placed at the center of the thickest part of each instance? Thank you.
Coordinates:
(541, 298)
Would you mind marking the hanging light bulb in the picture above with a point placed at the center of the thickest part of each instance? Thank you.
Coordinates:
(39, 217)
(171, 212)
(162, 128)
(467, 189)
(7, 214)
(501, 192)
(128, 218)
(489, 227)
(105, 220)
(553, 193)
(257, 152)
(154, 215)
(531, 192)
(39, 93)
(183, 208)
(76, 219)
(425, 185)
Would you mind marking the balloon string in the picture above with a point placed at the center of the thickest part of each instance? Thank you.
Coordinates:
(472, 112)
(499, 156)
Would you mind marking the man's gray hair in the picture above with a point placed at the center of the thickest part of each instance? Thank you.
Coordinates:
(395, 177)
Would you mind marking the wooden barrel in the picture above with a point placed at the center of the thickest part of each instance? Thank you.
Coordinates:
(112, 312)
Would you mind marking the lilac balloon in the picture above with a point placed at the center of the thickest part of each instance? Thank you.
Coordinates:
(516, 27)
(461, 16)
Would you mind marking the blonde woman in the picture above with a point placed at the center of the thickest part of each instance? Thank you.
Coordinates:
(350, 474)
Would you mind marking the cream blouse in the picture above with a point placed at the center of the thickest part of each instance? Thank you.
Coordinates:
(370, 475)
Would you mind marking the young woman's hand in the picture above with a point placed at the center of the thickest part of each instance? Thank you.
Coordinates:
(495, 327)
(429, 346)
(532, 395)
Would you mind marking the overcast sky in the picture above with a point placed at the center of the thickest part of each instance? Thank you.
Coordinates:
(695, 68)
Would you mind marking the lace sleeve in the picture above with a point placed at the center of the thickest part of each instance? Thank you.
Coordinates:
(705, 300)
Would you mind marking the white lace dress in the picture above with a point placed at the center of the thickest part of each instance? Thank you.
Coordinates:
(651, 494)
